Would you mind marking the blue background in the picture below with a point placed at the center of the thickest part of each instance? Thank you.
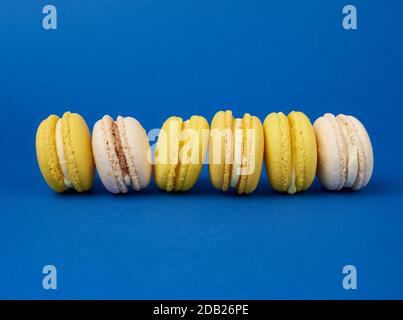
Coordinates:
(152, 59)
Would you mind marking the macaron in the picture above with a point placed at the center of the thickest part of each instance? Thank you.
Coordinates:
(290, 151)
(122, 154)
(235, 152)
(63, 150)
(180, 152)
(345, 156)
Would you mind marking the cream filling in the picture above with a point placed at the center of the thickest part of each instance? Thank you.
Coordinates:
(187, 138)
(106, 125)
(228, 149)
(174, 136)
(352, 158)
(237, 162)
(292, 188)
(60, 155)
(130, 179)
(342, 147)
(127, 180)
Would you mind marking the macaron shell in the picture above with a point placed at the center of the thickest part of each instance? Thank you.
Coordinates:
(167, 153)
(78, 151)
(197, 138)
(304, 152)
(367, 149)
(277, 150)
(330, 153)
(217, 150)
(101, 156)
(47, 155)
(140, 150)
(255, 155)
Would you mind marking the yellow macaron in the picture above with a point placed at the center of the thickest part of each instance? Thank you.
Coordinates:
(63, 150)
(290, 151)
(235, 152)
(180, 152)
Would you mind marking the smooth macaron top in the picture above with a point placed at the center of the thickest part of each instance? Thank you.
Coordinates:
(122, 154)
(345, 156)
(235, 152)
(290, 151)
(63, 148)
(180, 153)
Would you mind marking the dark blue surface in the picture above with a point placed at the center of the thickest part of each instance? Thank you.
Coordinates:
(152, 59)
